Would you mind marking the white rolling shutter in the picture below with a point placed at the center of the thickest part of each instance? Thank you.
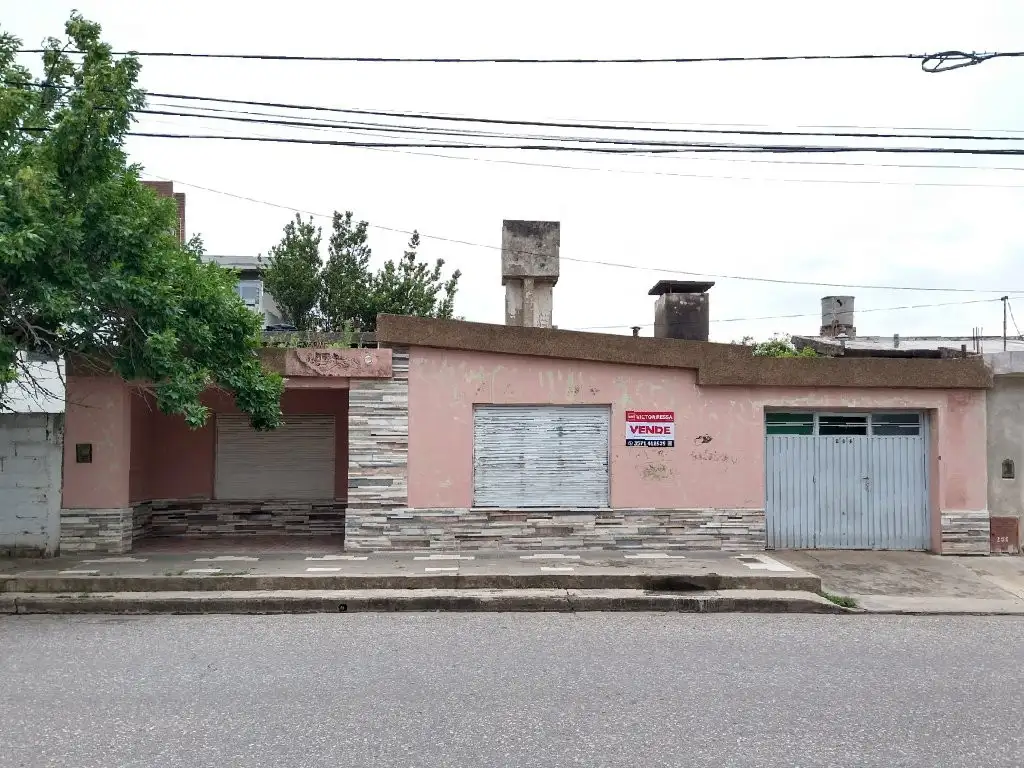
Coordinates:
(540, 456)
(294, 461)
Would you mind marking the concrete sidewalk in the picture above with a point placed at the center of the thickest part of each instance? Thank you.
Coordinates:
(251, 579)
(918, 582)
(260, 571)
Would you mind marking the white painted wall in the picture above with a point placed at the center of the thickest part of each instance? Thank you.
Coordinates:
(31, 447)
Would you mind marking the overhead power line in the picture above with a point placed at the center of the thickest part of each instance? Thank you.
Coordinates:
(744, 132)
(1009, 306)
(626, 148)
(456, 241)
(930, 62)
(351, 126)
(688, 127)
(573, 124)
(800, 315)
(722, 177)
(579, 125)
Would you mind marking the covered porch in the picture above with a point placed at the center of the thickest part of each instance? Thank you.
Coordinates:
(136, 477)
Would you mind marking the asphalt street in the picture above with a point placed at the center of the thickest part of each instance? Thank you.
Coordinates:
(480, 690)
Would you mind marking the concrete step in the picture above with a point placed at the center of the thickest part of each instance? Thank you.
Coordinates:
(392, 600)
(695, 582)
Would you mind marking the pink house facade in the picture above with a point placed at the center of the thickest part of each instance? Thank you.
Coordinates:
(466, 435)
(727, 481)
(133, 473)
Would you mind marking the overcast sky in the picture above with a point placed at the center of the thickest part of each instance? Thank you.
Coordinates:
(718, 216)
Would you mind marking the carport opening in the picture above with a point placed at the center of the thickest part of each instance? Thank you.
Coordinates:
(226, 483)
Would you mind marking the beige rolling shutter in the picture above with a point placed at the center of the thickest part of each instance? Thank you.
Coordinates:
(294, 461)
(540, 456)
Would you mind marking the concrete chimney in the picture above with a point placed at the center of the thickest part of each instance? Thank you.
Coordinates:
(529, 271)
(681, 311)
(837, 317)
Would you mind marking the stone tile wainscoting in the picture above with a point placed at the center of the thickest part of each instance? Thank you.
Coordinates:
(96, 530)
(965, 533)
(734, 530)
(378, 449)
(199, 519)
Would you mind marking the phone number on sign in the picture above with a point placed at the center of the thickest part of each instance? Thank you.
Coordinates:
(651, 443)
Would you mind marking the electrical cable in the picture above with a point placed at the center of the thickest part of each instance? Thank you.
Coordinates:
(804, 314)
(781, 134)
(626, 148)
(605, 126)
(440, 238)
(676, 124)
(1009, 306)
(351, 125)
(930, 62)
(709, 176)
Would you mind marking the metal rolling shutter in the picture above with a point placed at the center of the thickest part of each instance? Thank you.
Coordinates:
(294, 461)
(540, 456)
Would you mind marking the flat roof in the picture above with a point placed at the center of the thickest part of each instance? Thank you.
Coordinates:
(680, 286)
(716, 364)
(246, 263)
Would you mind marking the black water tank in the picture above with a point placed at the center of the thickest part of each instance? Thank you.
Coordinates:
(682, 310)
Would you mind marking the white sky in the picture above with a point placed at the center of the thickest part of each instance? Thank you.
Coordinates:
(891, 234)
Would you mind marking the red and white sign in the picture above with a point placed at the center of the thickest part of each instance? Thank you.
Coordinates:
(651, 429)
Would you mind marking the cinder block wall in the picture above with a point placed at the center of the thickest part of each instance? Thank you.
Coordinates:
(31, 446)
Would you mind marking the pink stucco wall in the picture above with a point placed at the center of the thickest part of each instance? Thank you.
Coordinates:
(183, 466)
(141, 447)
(725, 472)
(98, 412)
(140, 453)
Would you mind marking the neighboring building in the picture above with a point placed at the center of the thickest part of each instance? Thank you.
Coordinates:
(250, 280)
(250, 287)
(1005, 415)
(517, 436)
(31, 444)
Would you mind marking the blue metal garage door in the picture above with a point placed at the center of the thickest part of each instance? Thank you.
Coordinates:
(846, 480)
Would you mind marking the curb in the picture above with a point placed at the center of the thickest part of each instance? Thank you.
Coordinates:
(678, 583)
(389, 601)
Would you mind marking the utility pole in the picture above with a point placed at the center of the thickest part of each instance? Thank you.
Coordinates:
(1004, 300)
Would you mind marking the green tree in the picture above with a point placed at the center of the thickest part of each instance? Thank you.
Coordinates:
(346, 297)
(778, 346)
(350, 294)
(90, 263)
(410, 287)
(292, 272)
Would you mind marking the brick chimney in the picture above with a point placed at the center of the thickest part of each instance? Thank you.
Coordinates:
(166, 189)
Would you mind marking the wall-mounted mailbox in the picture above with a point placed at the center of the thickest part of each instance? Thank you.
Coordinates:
(1008, 469)
(83, 453)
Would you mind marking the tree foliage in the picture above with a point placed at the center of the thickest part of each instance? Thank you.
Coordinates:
(776, 346)
(292, 275)
(347, 281)
(349, 293)
(90, 262)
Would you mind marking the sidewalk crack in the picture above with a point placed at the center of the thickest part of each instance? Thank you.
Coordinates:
(569, 601)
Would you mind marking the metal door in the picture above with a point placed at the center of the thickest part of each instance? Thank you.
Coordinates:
(294, 461)
(540, 456)
(847, 491)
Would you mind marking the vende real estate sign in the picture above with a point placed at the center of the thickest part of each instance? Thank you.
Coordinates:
(651, 429)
